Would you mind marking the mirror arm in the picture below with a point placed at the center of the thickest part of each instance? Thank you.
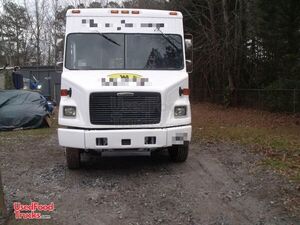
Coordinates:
(59, 67)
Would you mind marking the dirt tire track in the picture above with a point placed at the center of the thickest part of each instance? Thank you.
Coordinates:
(219, 184)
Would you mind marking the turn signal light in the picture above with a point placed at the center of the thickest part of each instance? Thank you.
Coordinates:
(184, 91)
(66, 92)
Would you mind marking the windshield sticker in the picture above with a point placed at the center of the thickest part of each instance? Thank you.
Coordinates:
(125, 79)
(124, 75)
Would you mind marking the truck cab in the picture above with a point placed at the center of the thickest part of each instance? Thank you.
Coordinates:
(124, 84)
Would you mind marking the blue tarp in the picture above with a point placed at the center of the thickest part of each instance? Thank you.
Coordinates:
(22, 109)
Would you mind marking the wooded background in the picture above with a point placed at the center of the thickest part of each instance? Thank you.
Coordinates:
(239, 45)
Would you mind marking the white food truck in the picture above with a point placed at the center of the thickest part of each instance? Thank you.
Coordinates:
(124, 84)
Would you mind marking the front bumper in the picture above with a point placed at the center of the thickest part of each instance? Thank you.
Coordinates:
(87, 139)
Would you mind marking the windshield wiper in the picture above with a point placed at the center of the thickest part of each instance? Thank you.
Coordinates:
(168, 39)
(109, 39)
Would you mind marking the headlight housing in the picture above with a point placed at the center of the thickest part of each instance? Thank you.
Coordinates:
(69, 111)
(180, 111)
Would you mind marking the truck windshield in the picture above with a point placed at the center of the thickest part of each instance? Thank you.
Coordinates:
(96, 51)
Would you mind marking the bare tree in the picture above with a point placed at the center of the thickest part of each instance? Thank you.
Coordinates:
(36, 12)
(55, 8)
(218, 27)
(38, 24)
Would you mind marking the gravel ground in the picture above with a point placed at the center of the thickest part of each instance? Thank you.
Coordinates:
(220, 184)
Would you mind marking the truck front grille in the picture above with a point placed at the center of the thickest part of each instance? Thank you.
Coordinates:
(125, 108)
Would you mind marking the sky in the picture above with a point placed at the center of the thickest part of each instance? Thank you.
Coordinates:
(61, 2)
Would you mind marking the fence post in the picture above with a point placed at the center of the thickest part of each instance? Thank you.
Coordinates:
(2, 202)
(260, 99)
(294, 100)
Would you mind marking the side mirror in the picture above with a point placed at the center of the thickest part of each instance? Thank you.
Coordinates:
(59, 67)
(60, 42)
(188, 40)
(59, 54)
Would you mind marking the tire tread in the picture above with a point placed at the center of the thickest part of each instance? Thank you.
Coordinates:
(179, 153)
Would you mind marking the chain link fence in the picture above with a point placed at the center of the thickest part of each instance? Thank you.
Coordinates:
(275, 100)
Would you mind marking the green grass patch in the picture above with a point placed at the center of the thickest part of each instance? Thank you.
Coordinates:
(249, 135)
(19, 136)
(280, 147)
(27, 133)
(295, 178)
(276, 164)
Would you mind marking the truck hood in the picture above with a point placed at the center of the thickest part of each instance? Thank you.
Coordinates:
(83, 83)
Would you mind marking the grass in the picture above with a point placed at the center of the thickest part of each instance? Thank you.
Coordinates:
(8, 137)
(276, 136)
(266, 138)
(31, 132)
(40, 132)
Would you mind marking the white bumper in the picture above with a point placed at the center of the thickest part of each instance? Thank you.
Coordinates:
(87, 139)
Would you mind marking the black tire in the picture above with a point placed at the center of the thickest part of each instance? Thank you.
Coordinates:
(179, 153)
(73, 158)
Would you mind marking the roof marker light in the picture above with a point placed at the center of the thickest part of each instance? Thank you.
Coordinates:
(75, 11)
(125, 11)
(114, 11)
(135, 12)
(173, 13)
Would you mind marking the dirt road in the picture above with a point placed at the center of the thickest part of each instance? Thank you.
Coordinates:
(220, 184)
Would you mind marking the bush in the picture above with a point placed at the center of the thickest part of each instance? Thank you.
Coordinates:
(282, 96)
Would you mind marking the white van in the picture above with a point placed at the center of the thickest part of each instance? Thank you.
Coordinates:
(124, 83)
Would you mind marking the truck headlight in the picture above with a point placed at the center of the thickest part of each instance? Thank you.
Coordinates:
(69, 111)
(180, 111)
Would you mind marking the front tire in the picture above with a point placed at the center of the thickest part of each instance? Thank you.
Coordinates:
(179, 153)
(73, 158)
